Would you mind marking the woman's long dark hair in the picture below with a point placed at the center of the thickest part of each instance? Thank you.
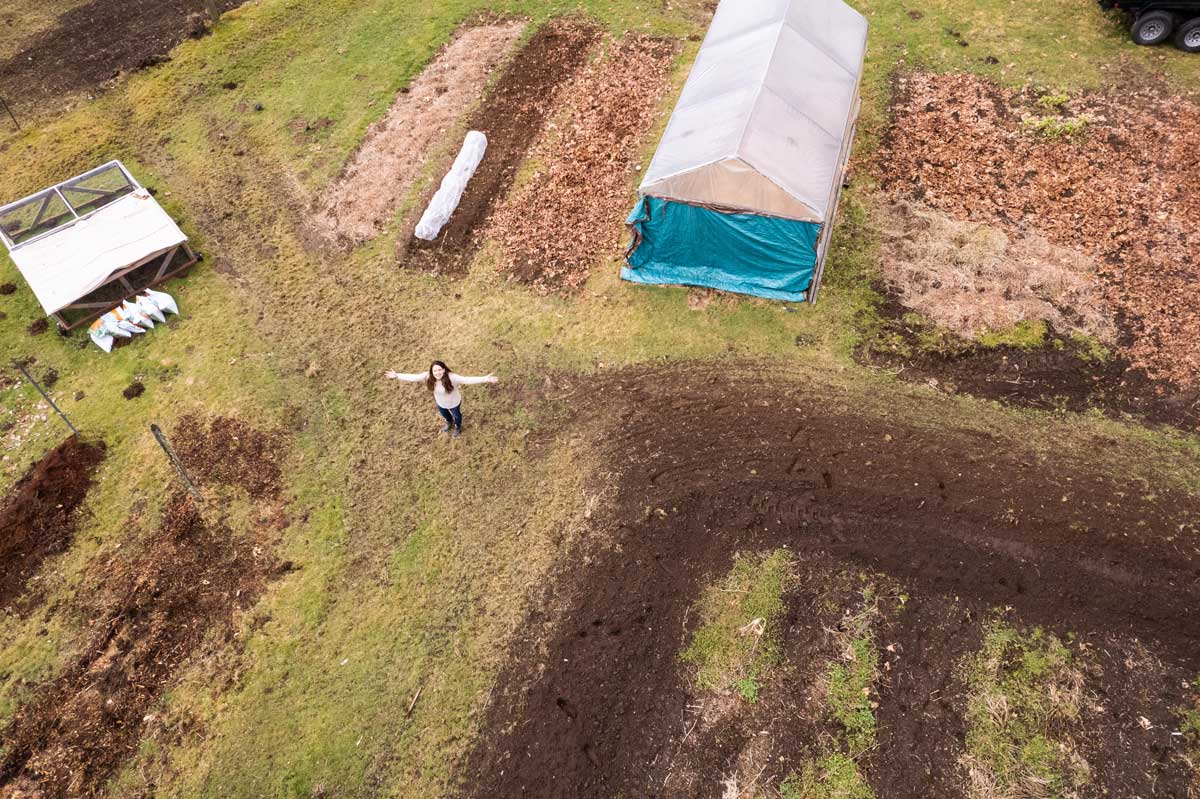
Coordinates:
(430, 380)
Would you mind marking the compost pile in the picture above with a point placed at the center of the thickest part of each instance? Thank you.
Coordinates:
(38, 518)
(1119, 188)
(569, 213)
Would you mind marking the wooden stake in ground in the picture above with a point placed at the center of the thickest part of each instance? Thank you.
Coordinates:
(183, 475)
(45, 396)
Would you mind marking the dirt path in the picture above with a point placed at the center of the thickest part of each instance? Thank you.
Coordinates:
(94, 43)
(511, 117)
(38, 517)
(381, 173)
(711, 465)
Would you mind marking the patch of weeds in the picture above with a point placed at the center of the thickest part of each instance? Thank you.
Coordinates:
(1054, 127)
(1090, 349)
(833, 777)
(1053, 100)
(1189, 726)
(851, 681)
(1028, 334)
(1023, 689)
(737, 642)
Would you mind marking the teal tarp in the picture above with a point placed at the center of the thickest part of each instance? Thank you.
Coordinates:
(677, 243)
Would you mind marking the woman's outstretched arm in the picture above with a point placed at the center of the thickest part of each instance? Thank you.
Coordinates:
(415, 377)
(462, 380)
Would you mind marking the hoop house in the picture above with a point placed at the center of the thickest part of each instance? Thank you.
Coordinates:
(90, 242)
(743, 188)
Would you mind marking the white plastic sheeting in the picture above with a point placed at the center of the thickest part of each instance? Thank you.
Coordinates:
(73, 261)
(765, 119)
(453, 185)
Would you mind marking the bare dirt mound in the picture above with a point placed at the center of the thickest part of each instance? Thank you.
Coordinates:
(570, 212)
(1111, 177)
(38, 517)
(149, 614)
(96, 42)
(381, 173)
(710, 465)
(511, 117)
(231, 452)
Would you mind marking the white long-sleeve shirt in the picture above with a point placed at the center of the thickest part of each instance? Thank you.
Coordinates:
(444, 399)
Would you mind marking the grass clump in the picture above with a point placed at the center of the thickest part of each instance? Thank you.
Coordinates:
(1023, 689)
(737, 643)
(1028, 334)
(1053, 100)
(1054, 127)
(833, 777)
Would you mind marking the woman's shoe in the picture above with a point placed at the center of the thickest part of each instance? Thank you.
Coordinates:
(446, 427)
(456, 431)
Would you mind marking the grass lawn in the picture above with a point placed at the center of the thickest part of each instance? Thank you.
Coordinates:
(416, 560)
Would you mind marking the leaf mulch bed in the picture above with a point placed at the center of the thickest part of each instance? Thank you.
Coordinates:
(149, 608)
(511, 116)
(39, 515)
(595, 702)
(1123, 191)
(569, 214)
(96, 42)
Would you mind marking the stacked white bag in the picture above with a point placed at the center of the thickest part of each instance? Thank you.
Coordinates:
(132, 317)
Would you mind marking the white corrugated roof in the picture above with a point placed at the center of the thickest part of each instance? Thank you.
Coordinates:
(766, 111)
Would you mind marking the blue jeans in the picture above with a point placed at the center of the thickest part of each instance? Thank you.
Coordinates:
(453, 416)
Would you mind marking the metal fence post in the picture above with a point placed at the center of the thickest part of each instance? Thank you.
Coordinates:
(45, 396)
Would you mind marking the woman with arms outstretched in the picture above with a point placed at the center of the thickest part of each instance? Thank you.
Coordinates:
(444, 385)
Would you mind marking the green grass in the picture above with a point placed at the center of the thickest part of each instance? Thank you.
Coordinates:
(835, 776)
(737, 643)
(416, 559)
(1025, 691)
(1028, 334)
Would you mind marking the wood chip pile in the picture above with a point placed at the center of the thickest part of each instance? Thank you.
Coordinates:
(1122, 190)
(569, 213)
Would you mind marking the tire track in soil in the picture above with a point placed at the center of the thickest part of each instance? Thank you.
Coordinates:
(962, 522)
(511, 116)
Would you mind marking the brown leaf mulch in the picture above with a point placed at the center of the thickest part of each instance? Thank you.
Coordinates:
(553, 229)
(1123, 191)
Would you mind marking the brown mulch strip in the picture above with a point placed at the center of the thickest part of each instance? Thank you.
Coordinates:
(38, 518)
(569, 214)
(1124, 192)
(230, 452)
(149, 613)
(511, 116)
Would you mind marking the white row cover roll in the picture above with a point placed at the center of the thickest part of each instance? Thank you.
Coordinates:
(770, 102)
(453, 185)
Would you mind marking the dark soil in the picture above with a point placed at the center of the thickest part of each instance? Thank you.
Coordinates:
(95, 43)
(8, 288)
(37, 327)
(133, 390)
(511, 117)
(149, 613)
(961, 521)
(38, 517)
(229, 452)
(1059, 375)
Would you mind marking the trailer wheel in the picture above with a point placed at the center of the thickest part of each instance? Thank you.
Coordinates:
(1187, 38)
(1153, 27)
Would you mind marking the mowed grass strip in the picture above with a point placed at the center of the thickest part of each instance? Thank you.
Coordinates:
(737, 643)
(1025, 691)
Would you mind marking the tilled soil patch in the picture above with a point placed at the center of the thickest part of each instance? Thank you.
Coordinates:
(570, 212)
(38, 517)
(149, 614)
(511, 116)
(231, 452)
(710, 464)
(379, 176)
(96, 42)
(1121, 190)
(1061, 374)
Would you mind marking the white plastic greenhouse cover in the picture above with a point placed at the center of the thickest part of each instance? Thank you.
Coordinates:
(765, 119)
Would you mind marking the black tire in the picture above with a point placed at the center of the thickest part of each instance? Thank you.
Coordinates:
(1187, 38)
(1153, 27)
